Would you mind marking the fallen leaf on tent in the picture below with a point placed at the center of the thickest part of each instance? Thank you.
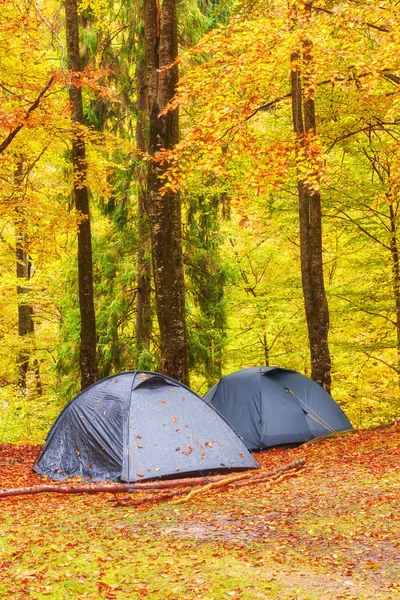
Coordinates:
(173, 419)
(140, 474)
(139, 446)
(162, 401)
(209, 444)
(156, 468)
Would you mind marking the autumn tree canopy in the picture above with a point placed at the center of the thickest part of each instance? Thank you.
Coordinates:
(273, 205)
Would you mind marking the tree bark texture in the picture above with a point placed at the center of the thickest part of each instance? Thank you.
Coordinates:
(164, 207)
(144, 312)
(315, 301)
(88, 361)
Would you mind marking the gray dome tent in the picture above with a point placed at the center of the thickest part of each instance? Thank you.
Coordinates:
(270, 406)
(139, 425)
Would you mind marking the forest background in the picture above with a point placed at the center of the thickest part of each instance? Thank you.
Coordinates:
(246, 157)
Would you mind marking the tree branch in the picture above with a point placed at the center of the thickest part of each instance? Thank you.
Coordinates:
(33, 106)
(360, 227)
(114, 488)
(330, 12)
(368, 312)
(268, 105)
(380, 360)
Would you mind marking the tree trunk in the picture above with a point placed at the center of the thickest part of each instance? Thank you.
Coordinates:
(88, 362)
(26, 325)
(265, 347)
(396, 274)
(316, 305)
(144, 314)
(164, 208)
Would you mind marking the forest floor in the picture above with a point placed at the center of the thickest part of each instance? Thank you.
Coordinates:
(331, 532)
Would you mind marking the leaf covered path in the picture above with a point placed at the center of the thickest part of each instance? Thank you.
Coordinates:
(331, 532)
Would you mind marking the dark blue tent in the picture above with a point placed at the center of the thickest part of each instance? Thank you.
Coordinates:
(139, 425)
(270, 406)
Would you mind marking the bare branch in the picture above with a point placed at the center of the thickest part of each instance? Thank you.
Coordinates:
(368, 312)
(330, 12)
(360, 227)
(381, 361)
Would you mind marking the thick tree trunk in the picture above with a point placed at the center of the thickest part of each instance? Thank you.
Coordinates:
(164, 208)
(144, 313)
(316, 305)
(88, 362)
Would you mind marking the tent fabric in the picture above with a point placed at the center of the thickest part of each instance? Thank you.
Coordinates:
(139, 425)
(270, 406)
